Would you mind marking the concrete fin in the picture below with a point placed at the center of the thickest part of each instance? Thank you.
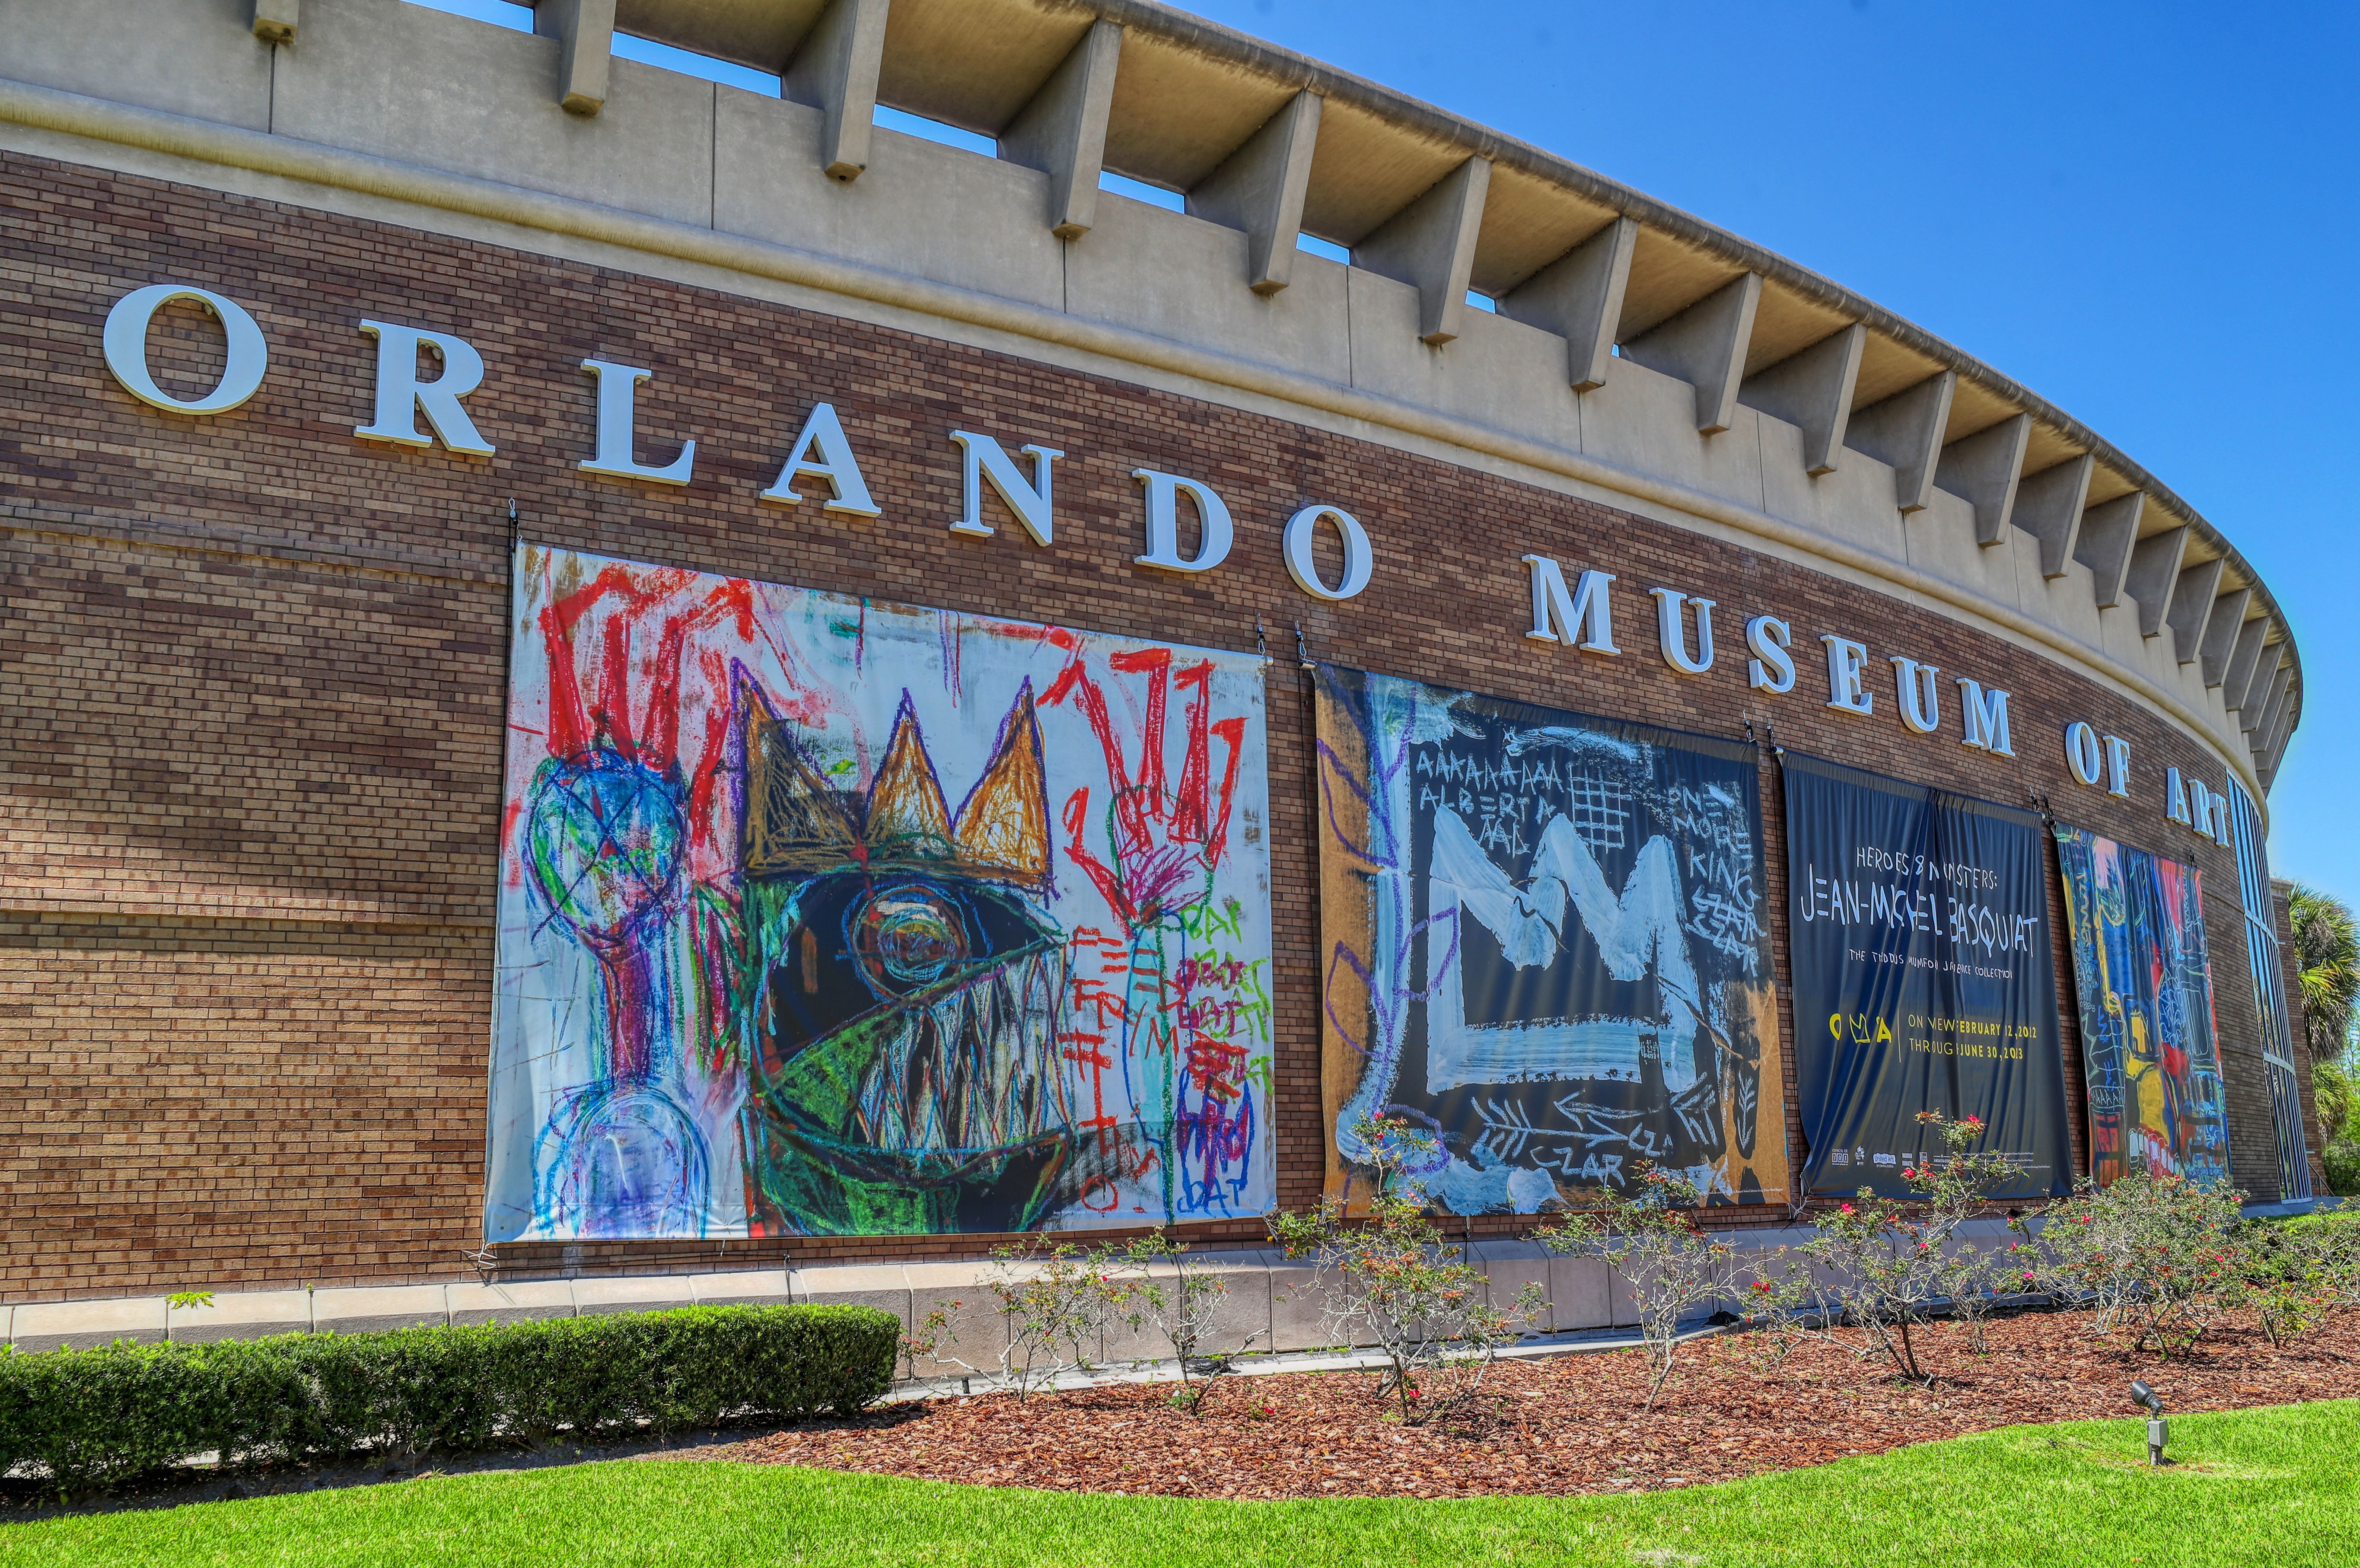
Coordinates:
(2103, 544)
(1705, 346)
(1063, 131)
(1259, 189)
(1813, 391)
(2246, 670)
(1431, 244)
(274, 20)
(1905, 432)
(2191, 600)
(834, 70)
(2154, 572)
(2284, 732)
(1986, 470)
(587, 31)
(2048, 506)
(2220, 631)
(1579, 297)
(2267, 693)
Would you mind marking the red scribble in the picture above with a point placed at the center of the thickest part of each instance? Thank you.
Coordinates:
(1161, 840)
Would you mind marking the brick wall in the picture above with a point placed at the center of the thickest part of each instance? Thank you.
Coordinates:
(252, 677)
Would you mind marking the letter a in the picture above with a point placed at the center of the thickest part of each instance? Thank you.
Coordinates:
(822, 450)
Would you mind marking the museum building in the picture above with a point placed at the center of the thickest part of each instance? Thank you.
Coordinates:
(627, 689)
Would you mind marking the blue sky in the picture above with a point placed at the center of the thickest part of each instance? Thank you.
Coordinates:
(2147, 212)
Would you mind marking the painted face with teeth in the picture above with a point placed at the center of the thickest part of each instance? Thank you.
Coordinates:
(907, 1076)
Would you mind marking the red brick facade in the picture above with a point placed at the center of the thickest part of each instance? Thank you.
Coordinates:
(252, 674)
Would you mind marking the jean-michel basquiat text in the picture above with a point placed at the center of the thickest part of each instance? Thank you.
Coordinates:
(826, 916)
(1543, 939)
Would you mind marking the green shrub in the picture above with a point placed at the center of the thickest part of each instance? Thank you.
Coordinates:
(93, 1418)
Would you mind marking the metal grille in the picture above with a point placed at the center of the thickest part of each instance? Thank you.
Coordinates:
(2270, 995)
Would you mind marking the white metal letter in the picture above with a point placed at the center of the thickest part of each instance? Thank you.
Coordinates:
(2081, 753)
(1304, 569)
(822, 451)
(125, 342)
(981, 459)
(1987, 718)
(1672, 632)
(1164, 522)
(1588, 612)
(1919, 699)
(2199, 808)
(1847, 662)
(1772, 668)
(402, 397)
(2118, 765)
(2175, 795)
(617, 447)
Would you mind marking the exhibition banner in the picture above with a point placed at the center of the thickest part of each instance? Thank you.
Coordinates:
(2144, 982)
(1917, 928)
(1544, 942)
(820, 915)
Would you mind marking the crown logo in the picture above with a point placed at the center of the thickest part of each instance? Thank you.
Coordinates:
(797, 824)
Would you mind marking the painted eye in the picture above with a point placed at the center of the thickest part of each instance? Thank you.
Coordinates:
(909, 937)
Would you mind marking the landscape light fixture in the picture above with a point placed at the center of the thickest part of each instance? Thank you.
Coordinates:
(2158, 1430)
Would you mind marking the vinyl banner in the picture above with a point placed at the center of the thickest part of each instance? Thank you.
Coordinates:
(1543, 939)
(1917, 926)
(2145, 988)
(819, 916)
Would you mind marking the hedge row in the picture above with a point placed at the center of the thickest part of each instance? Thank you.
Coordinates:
(95, 1417)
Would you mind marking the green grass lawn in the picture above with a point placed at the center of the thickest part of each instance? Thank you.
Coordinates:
(2278, 1487)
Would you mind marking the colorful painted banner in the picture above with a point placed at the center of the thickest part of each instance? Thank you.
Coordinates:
(1918, 931)
(2144, 983)
(825, 916)
(1543, 938)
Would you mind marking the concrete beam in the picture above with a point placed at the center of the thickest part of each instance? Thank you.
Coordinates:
(2268, 768)
(1579, 297)
(2154, 573)
(2048, 506)
(1063, 131)
(1705, 346)
(2262, 701)
(1986, 469)
(274, 20)
(2281, 708)
(2246, 670)
(586, 29)
(1813, 390)
(2220, 630)
(835, 71)
(1259, 189)
(1905, 432)
(1431, 244)
(2103, 544)
(2191, 603)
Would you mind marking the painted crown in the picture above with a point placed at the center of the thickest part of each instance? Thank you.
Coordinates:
(797, 824)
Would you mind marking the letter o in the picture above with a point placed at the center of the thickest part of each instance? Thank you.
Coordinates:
(2082, 753)
(1358, 561)
(125, 342)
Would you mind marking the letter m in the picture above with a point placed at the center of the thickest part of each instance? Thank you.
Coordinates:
(1986, 716)
(1586, 616)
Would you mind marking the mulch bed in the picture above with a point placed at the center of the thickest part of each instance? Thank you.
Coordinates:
(1572, 1423)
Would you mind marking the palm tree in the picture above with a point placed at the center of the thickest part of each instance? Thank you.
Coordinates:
(2327, 965)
